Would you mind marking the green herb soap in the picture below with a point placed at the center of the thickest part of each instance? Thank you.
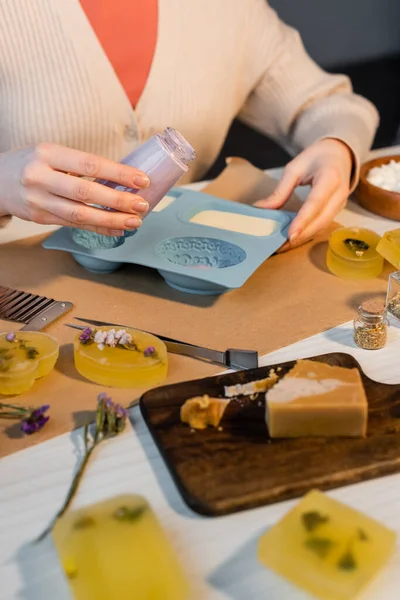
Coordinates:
(327, 548)
(117, 550)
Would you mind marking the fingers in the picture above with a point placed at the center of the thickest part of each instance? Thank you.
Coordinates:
(49, 219)
(291, 178)
(321, 192)
(322, 220)
(325, 217)
(77, 214)
(90, 165)
(82, 190)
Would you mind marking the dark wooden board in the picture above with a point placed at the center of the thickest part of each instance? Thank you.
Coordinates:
(240, 467)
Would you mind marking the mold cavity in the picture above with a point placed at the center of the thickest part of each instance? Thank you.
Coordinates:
(201, 252)
(235, 222)
(164, 203)
(95, 241)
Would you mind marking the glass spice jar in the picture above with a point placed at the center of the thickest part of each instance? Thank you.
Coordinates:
(393, 295)
(371, 325)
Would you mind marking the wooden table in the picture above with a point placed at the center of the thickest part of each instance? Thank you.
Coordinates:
(219, 554)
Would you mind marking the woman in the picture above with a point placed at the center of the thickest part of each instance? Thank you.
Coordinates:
(83, 83)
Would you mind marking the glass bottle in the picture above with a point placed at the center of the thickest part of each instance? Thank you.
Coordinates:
(371, 325)
(164, 158)
(393, 295)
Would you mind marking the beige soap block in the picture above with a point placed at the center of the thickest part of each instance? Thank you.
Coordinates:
(316, 399)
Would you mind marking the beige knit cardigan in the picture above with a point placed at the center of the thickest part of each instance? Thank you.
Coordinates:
(214, 60)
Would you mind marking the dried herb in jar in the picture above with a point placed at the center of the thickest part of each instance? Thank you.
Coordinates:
(394, 306)
(371, 325)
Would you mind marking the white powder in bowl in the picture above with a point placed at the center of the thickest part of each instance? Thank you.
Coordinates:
(386, 177)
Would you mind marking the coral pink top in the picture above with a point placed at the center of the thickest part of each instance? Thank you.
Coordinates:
(127, 30)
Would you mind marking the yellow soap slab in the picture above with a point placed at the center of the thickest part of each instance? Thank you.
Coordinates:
(389, 247)
(326, 547)
(120, 366)
(29, 356)
(352, 253)
(116, 550)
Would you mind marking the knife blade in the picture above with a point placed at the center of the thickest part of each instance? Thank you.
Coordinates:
(232, 357)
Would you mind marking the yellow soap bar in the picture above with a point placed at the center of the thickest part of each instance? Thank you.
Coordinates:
(352, 253)
(24, 357)
(389, 247)
(116, 550)
(141, 360)
(326, 547)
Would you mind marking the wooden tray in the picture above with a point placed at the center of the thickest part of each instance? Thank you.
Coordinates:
(240, 467)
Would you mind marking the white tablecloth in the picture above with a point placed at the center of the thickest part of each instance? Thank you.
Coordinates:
(219, 554)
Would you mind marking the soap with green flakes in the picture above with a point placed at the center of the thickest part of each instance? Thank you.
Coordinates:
(326, 548)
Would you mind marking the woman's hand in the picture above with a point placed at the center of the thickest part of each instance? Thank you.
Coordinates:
(326, 166)
(42, 183)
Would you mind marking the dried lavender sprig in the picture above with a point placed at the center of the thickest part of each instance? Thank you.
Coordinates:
(33, 419)
(110, 421)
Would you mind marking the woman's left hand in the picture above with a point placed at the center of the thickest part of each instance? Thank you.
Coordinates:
(326, 166)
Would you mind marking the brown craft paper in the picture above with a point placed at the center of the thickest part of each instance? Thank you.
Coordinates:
(290, 297)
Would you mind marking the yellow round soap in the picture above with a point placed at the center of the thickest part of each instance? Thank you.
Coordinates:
(124, 358)
(352, 253)
(24, 357)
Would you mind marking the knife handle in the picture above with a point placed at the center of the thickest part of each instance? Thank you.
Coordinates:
(241, 359)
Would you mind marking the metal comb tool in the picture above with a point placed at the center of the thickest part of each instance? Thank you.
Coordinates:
(35, 312)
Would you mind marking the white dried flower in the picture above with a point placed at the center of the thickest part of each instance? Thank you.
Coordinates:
(110, 340)
(125, 339)
(100, 337)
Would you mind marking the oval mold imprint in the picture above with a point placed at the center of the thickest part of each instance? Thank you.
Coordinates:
(201, 252)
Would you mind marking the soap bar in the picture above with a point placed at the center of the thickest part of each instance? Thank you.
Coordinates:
(327, 548)
(116, 549)
(201, 411)
(251, 388)
(235, 222)
(316, 399)
(124, 358)
(352, 253)
(389, 247)
(24, 357)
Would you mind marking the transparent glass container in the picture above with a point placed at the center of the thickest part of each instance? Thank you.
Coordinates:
(371, 325)
(393, 295)
(164, 158)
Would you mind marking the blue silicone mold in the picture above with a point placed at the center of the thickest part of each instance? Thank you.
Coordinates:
(190, 257)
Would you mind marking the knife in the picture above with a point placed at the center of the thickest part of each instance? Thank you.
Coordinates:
(232, 358)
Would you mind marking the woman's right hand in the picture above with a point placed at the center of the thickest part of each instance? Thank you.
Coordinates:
(44, 183)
